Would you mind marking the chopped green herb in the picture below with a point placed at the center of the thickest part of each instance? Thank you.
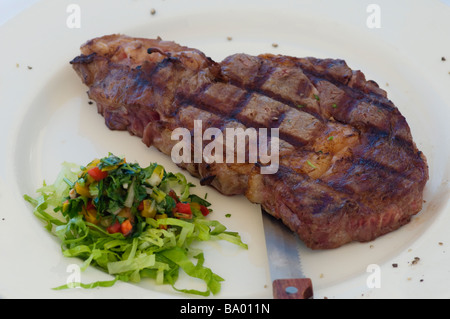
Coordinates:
(316, 97)
(300, 106)
(311, 164)
(334, 105)
(331, 138)
(199, 200)
(227, 215)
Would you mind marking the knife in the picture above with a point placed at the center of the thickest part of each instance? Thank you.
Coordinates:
(288, 280)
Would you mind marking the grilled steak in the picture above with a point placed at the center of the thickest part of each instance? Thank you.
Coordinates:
(348, 167)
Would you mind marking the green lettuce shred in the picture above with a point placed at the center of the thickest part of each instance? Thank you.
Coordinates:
(152, 252)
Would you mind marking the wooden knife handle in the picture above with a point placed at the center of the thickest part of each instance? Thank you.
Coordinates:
(300, 288)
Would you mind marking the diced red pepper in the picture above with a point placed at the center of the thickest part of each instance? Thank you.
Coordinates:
(114, 228)
(183, 208)
(126, 227)
(204, 210)
(97, 173)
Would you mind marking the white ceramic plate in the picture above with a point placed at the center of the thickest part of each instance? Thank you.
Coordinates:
(46, 120)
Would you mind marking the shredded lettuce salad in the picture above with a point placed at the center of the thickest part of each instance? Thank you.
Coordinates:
(131, 222)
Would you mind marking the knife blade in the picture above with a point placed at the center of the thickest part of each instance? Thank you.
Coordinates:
(288, 280)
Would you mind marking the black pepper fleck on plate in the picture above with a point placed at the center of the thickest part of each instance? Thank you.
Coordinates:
(152, 11)
(415, 261)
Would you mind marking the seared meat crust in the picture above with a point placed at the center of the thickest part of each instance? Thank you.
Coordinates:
(349, 169)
